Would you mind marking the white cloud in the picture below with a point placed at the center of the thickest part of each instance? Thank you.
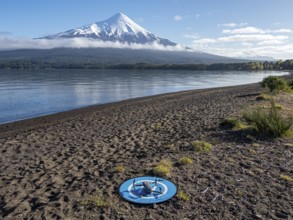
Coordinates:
(277, 51)
(281, 31)
(178, 18)
(192, 36)
(23, 43)
(254, 30)
(245, 30)
(241, 38)
(244, 40)
(271, 42)
(232, 24)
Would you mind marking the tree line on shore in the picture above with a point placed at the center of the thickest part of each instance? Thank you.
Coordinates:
(248, 66)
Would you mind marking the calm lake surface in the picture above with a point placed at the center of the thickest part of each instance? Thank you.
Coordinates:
(26, 93)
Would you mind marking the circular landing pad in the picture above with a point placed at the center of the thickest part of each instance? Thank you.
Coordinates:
(147, 190)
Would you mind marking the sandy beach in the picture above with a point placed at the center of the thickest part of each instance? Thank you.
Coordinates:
(52, 166)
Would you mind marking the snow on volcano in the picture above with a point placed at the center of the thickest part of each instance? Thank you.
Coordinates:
(116, 28)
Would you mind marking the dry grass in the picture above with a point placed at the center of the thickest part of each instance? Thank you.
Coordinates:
(97, 200)
(119, 169)
(287, 178)
(163, 168)
(201, 146)
(185, 161)
(183, 196)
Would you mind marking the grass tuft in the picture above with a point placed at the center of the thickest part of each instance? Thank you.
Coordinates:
(263, 97)
(119, 169)
(95, 200)
(287, 178)
(183, 196)
(156, 126)
(185, 161)
(201, 146)
(163, 168)
(233, 123)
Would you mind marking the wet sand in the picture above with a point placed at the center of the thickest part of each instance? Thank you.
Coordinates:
(50, 167)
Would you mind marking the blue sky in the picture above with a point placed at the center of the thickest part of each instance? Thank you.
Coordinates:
(224, 27)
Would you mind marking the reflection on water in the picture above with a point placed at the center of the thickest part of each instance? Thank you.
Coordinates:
(26, 93)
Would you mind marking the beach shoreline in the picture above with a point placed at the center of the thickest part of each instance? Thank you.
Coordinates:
(59, 166)
(43, 120)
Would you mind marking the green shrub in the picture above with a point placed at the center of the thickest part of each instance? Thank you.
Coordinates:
(274, 84)
(268, 121)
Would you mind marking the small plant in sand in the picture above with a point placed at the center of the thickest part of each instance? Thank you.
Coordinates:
(201, 146)
(170, 146)
(183, 196)
(95, 200)
(163, 168)
(233, 123)
(157, 126)
(185, 161)
(119, 169)
(287, 178)
(275, 84)
(269, 121)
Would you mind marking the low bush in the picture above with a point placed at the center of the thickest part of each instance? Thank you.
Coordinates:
(269, 121)
(274, 84)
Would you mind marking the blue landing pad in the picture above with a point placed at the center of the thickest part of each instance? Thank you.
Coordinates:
(147, 190)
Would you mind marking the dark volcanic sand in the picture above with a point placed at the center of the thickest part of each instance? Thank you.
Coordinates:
(50, 165)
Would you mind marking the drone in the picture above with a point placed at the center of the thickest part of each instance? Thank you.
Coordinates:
(147, 187)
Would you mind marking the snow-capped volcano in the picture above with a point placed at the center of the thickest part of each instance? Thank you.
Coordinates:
(117, 28)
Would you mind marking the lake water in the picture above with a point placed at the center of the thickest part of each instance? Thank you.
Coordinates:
(26, 93)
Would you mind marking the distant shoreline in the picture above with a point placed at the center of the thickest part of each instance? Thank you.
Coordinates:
(83, 65)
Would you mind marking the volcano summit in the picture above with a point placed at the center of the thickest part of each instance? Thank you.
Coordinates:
(116, 28)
